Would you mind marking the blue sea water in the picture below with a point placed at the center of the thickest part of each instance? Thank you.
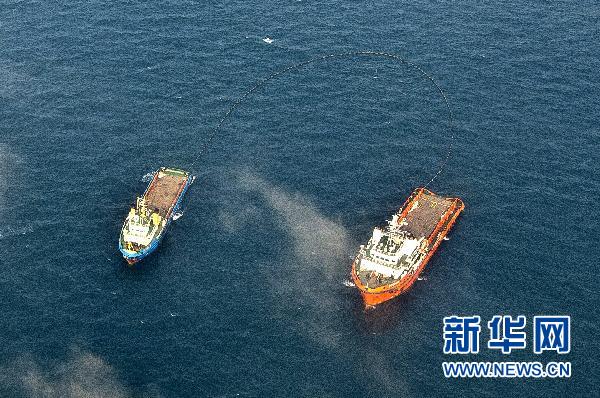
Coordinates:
(246, 295)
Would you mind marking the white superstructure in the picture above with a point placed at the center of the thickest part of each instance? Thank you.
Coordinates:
(391, 252)
(141, 226)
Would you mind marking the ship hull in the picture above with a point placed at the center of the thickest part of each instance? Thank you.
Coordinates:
(133, 257)
(374, 296)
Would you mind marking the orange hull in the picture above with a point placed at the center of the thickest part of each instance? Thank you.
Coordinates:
(380, 294)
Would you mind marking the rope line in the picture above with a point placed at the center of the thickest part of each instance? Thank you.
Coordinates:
(325, 58)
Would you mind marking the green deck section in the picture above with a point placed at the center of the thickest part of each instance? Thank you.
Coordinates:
(175, 172)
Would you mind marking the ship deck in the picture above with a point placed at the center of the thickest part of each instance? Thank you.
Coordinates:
(422, 220)
(164, 191)
(373, 280)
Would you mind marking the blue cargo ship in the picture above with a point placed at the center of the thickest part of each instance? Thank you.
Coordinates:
(147, 222)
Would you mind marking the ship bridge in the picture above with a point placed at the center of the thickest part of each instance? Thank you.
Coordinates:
(391, 253)
(140, 226)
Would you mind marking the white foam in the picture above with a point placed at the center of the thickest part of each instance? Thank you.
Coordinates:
(268, 40)
(148, 177)
(14, 231)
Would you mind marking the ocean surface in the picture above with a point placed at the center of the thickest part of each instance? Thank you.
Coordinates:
(246, 296)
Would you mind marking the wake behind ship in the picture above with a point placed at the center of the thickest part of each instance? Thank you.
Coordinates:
(147, 222)
(396, 254)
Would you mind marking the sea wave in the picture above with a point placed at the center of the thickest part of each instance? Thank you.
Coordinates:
(9, 231)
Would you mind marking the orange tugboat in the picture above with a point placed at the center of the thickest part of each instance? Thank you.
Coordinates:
(396, 254)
